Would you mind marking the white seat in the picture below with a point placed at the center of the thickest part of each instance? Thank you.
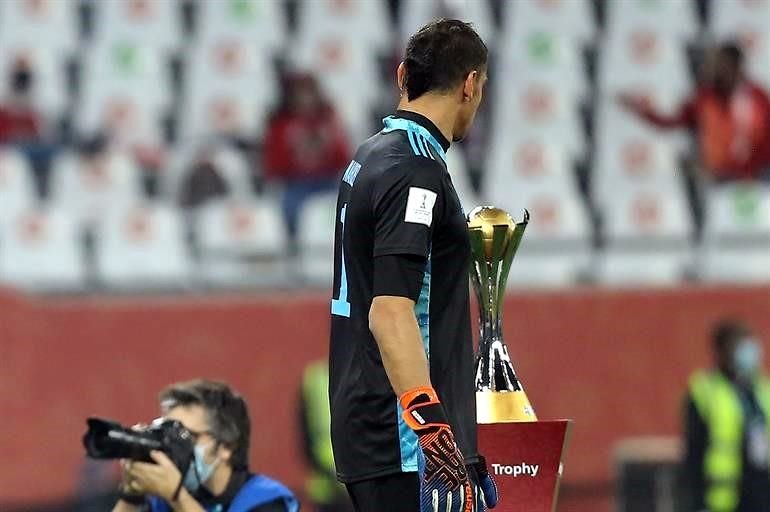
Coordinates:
(219, 73)
(669, 18)
(49, 87)
(232, 165)
(41, 250)
(43, 24)
(257, 23)
(539, 56)
(729, 17)
(154, 23)
(90, 189)
(242, 243)
(17, 189)
(126, 91)
(315, 238)
(461, 180)
(736, 234)
(538, 111)
(644, 61)
(624, 160)
(413, 14)
(648, 230)
(517, 169)
(570, 18)
(338, 62)
(556, 250)
(360, 22)
(142, 246)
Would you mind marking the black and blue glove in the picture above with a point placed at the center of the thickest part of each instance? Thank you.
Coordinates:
(484, 487)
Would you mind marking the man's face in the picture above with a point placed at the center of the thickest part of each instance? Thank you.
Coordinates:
(194, 419)
(468, 110)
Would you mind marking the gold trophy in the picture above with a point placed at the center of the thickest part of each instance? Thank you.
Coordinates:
(494, 238)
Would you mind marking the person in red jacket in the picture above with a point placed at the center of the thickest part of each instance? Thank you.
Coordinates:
(20, 122)
(306, 147)
(729, 113)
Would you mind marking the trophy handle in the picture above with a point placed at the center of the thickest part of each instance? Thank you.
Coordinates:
(515, 241)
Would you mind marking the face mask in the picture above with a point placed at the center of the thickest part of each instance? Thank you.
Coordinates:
(747, 358)
(199, 471)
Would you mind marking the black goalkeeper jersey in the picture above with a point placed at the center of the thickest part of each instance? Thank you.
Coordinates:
(396, 198)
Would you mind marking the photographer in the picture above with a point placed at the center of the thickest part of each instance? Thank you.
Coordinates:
(218, 479)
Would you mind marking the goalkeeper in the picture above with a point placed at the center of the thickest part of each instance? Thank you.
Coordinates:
(401, 375)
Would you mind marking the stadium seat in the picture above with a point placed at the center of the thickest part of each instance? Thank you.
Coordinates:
(413, 14)
(545, 57)
(730, 17)
(644, 61)
(648, 232)
(91, 189)
(668, 18)
(49, 87)
(557, 249)
(142, 247)
(125, 91)
(229, 89)
(40, 250)
(534, 176)
(626, 160)
(257, 23)
(42, 24)
(232, 164)
(361, 22)
(315, 238)
(572, 19)
(458, 170)
(736, 235)
(154, 23)
(519, 168)
(17, 189)
(242, 244)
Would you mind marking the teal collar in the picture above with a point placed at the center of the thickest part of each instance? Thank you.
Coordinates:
(393, 123)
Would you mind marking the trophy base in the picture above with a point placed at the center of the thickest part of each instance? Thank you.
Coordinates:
(503, 407)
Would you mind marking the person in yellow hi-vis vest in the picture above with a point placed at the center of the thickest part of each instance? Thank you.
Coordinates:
(322, 487)
(727, 427)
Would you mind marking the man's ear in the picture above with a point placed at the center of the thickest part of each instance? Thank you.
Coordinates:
(470, 85)
(400, 75)
(224, 453)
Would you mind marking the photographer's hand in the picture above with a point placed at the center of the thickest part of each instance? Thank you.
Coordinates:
(162, 479)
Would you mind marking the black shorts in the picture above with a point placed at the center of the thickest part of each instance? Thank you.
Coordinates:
(399, 492)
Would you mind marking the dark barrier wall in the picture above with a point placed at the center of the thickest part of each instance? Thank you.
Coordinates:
(616, 362)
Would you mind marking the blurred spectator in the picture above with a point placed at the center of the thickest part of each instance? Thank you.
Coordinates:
(729, 113)
(727, 427)
(20, 123)
(202, 182)
(306, 147)
(323, 489)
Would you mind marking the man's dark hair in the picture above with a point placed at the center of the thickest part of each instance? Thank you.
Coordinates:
(733, 52)
(727, 332)
(440, 56)
(227, 413)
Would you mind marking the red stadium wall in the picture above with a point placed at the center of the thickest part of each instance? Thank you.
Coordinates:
(616, 362)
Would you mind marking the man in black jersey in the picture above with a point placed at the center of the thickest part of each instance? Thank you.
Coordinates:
(401, 376)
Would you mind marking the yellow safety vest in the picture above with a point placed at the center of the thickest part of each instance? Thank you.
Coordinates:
(321, 487)
(719, 405)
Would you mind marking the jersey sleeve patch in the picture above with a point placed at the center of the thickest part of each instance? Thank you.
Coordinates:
(419, 206)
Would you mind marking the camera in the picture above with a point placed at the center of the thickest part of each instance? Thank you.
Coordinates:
(107, 439)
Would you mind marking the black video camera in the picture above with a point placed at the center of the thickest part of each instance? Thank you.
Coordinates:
(107, 439)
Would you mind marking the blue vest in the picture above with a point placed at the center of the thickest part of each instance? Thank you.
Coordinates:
(258, 490)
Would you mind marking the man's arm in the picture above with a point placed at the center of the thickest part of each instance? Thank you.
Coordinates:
(394, 326)
(123, 506)
(642, 107)
(696, 438)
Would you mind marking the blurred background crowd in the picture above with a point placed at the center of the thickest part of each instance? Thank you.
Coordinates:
(178, 144)
(195, 145)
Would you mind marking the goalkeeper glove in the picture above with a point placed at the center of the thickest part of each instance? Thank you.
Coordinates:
(444, 483)
(486, 487)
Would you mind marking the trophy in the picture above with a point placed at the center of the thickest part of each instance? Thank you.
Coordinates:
(525, 454)
(494, 238)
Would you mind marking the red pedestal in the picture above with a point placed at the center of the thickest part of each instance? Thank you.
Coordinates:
(525, 459)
